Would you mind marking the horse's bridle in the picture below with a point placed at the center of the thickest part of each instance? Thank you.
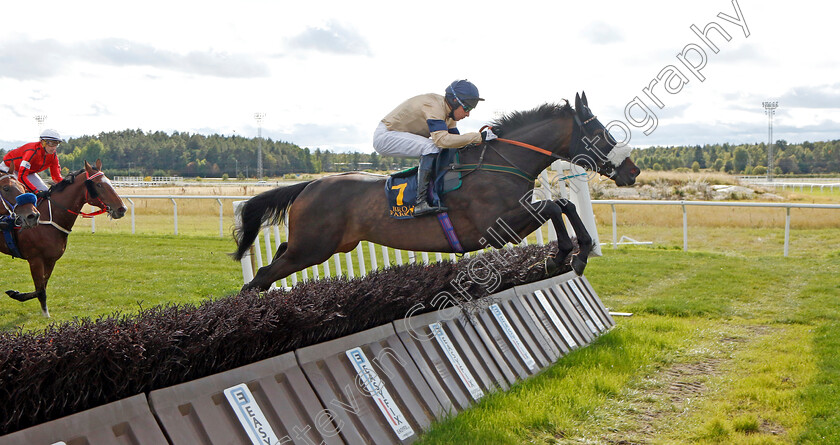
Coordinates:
(582, 143)
(90, 194)
(91, 191)
(8, 205)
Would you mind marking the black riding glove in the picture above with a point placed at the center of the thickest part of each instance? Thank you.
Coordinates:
(41, 194)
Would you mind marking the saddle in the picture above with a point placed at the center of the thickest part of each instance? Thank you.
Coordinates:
(9, 228)
(9, 224)
(401, 187)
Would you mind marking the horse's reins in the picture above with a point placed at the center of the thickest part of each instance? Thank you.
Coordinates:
(538, 149)
(529, 147)
(516, 170)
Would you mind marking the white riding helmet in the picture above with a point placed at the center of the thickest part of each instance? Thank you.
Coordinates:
(51, 135)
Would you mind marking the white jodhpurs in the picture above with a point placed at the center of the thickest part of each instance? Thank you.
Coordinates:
(401, 144)
(33, 177)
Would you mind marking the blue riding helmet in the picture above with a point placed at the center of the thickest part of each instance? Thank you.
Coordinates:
(463, 93)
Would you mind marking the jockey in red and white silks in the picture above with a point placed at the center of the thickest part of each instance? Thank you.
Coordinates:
(35, 157)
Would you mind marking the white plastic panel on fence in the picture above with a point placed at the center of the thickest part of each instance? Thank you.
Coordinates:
(272, 396)
(373, 387)
(125, 422)
(574, 189)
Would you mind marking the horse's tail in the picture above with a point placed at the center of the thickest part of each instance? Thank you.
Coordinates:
(270, 206)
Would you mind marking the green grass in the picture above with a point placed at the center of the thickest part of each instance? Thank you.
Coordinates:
(807, 192)
(105, 273)
(756, 332)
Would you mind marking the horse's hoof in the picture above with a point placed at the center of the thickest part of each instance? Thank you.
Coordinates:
(578, 265)
(250, 287)
(551, 267)
(13, 294)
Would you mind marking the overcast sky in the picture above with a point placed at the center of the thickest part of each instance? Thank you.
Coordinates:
(324, 73)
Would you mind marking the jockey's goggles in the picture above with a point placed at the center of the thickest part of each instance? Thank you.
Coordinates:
(467, 104)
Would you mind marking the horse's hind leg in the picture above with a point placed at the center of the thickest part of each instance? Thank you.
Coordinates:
(286, 263)
(281, 249)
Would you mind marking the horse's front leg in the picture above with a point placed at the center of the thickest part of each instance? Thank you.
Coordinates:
(40, 271)
(525, 220)
(41, 289)
(551, 210)
(580, 258)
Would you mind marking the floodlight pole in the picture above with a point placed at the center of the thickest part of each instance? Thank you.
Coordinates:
(40, 118)
(259, 117)
(770, 110)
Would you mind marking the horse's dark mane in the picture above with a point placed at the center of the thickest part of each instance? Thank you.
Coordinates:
(69, 179)
(520, 119)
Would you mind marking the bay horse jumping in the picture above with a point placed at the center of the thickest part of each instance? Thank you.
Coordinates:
(23, 211)
(491, 208)
(44, 245)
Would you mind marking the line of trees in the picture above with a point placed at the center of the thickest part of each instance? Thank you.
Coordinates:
(138, 153)
(749, 159)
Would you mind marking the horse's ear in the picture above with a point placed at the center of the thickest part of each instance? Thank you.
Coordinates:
(578, 104)
(99, 164)
(583, 99)
(87, 165)
(12, 169)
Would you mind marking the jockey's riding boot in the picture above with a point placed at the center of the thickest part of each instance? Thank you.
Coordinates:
(424, 174)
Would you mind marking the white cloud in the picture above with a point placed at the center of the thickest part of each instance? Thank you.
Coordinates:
(334, 38)
(325, 72)
(601, 33)
(40, 59)
(812, 96)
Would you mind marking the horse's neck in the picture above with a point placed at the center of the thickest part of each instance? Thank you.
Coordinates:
(552, 136)
(63, 207)
(499, 153)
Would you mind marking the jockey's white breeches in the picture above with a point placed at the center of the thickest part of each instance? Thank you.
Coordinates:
(33, 177)
(401, 144)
